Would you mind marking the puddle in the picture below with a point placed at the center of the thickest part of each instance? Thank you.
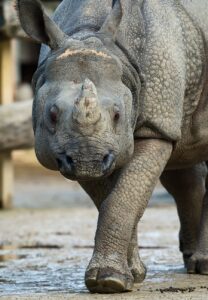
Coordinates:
(4, 281)
(42, 279)
(2, 267)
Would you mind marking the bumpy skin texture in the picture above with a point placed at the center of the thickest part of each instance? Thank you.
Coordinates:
(103, 189)
(198, 262)
(121, 99)
(187, 186)
(108, 269)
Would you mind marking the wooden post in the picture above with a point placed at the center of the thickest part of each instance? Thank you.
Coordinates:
(6, 96)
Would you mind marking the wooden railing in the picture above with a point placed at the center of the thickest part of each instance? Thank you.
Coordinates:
(15, 119)
(6, 96)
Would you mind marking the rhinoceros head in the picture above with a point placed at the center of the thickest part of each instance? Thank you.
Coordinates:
(82, 109)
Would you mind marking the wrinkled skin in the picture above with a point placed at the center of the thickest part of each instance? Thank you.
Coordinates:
(72, 133)
(121, 101)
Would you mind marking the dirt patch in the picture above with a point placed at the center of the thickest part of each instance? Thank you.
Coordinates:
(176, 290)
(204, 287)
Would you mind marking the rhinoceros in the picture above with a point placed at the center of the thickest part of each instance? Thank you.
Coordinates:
(121, 94)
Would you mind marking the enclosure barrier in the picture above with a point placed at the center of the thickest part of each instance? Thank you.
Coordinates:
(15, 118)
(6, 96)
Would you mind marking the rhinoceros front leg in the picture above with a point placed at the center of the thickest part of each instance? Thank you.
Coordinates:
(108, 270)
(137, 267)
(98, 192)
(198, 263)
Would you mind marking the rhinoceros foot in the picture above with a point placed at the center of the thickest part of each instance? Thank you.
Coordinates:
(108, 279)
(198, 263)
(138, 270)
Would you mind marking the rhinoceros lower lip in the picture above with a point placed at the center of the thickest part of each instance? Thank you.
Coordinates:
(89, 177)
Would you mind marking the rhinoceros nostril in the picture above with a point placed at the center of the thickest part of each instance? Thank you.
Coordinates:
(108, 161)
(65, 163)
(59, 163)
(70, 161)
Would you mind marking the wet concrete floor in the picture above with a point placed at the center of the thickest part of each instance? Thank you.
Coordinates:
(44, 250)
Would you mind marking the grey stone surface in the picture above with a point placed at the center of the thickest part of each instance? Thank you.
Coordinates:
(45, 247)
(44, 254)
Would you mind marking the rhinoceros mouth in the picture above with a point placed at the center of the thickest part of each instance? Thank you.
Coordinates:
(85, 178)
(86, 165)
(84, 173)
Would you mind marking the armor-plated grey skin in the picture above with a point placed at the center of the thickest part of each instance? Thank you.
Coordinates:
(121, 100)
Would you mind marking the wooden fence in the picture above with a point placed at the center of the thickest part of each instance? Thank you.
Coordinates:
(15, 118)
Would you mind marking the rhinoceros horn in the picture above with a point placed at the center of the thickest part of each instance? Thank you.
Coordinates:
(86, 109)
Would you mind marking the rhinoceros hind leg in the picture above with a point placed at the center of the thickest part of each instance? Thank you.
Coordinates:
(187, 186)
(198, 262)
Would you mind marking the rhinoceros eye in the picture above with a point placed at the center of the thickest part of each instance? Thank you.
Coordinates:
(116, 113)
(117, 116)
(54, 111)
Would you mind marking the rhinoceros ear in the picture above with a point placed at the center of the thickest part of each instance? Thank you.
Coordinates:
(37, 24)
(113, 20)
